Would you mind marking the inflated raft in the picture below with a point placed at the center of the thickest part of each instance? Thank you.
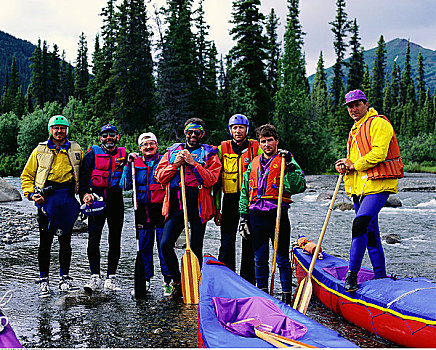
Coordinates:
(8, 339)
(400, 310)
(230, 309)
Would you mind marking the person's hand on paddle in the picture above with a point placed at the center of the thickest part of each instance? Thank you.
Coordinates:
(344, 166)
(179, 160)
(244, 231)
(132, 157)
(289, 165)
(187, 157)
(217, 218)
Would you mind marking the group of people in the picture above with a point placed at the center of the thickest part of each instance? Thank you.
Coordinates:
(247, 173)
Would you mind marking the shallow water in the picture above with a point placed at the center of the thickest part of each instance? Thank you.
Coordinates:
(118, 321)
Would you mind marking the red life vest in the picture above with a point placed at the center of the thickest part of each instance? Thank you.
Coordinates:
(107, 169)
(235, 165)
(392, 166)
(273, 182)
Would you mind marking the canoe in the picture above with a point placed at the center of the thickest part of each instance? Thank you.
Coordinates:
(400, 310)
(221, 288)
(8, 339)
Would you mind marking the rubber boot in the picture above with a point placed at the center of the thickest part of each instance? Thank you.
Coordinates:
(287, 297)
(351, 282)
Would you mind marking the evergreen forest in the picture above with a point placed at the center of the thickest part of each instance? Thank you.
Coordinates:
(140, 81)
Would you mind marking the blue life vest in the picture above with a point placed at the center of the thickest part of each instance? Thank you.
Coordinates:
(148, 190)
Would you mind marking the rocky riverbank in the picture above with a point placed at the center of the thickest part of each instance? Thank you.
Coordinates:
(15, 226)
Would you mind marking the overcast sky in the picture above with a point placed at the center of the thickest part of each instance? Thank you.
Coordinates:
(62, 21)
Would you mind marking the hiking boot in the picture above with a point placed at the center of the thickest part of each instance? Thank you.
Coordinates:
(66, 284)
(111, 284)
(287, 297)
(351, 282)
(176, 291)
(167, 289)
(44, 288)
(93, 285)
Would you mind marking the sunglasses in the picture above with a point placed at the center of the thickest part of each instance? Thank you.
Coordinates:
(107, 134)
(195, 132)
(148, 144)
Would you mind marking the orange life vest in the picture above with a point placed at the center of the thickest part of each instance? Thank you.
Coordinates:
(235, 165)
(273, 182)
(392, 166)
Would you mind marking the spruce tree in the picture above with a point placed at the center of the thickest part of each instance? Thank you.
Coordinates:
(340, 28)
(249, 54)
(406, 79)
(420, 81)
(366, 83)
(321, 101)
(378, 76)
(176, 69)
(81, 71)
(296, 124)
(357, 63)
(37, 75)
(206, 71)
(273, 53)
(132, 70)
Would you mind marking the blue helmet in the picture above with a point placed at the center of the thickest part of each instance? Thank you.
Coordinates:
(108, 127)
(238, 119)
(97, 207)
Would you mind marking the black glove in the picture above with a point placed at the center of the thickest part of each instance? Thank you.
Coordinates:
(244, 231)
(289, 165)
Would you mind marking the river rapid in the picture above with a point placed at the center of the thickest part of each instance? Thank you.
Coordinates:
(116, 320)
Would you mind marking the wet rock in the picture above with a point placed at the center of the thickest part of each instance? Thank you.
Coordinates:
(81, 298)
(158, 331)
(392, 238)
(344, 206)
(8, 193)
(393, 201)
(80, 226)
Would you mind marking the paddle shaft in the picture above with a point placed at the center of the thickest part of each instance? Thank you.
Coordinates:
(324, 227)
(135, 202)
(304, 291)
(190, 268)
(185, 208)
(278, 218)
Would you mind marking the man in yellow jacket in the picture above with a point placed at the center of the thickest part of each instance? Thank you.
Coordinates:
(51, 179)
(371, 172)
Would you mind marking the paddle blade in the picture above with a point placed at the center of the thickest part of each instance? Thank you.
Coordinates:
(303, 295)
(191, 274)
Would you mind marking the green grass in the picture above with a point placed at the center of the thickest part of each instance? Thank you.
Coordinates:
(420, 168)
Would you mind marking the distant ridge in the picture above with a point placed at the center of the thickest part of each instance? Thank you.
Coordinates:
(22, 49)
(397, 48)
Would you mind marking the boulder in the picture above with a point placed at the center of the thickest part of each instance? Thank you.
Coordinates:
(80, 226)
(392, 238)
(344, 206)
(393, 201)
(8, 193)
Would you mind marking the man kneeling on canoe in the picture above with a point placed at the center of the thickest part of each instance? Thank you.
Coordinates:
(372, 169)
(258, 207)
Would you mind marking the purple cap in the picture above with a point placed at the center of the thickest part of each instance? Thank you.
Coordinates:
(108, 127)
(354, 95)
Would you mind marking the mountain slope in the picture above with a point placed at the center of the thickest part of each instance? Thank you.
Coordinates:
(22, 49)
(397, 49)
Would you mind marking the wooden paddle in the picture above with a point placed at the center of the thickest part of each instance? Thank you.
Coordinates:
(278, 218)
(304, 291)
(140, 282)
(190, 269)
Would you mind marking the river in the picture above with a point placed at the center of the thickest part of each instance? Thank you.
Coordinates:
(108, 320)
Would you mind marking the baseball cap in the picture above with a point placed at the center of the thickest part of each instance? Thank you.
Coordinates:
(108, 127)
(149, 136)
(354, 95)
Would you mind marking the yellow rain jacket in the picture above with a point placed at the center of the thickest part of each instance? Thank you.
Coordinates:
(48, 164)
(357, 182)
